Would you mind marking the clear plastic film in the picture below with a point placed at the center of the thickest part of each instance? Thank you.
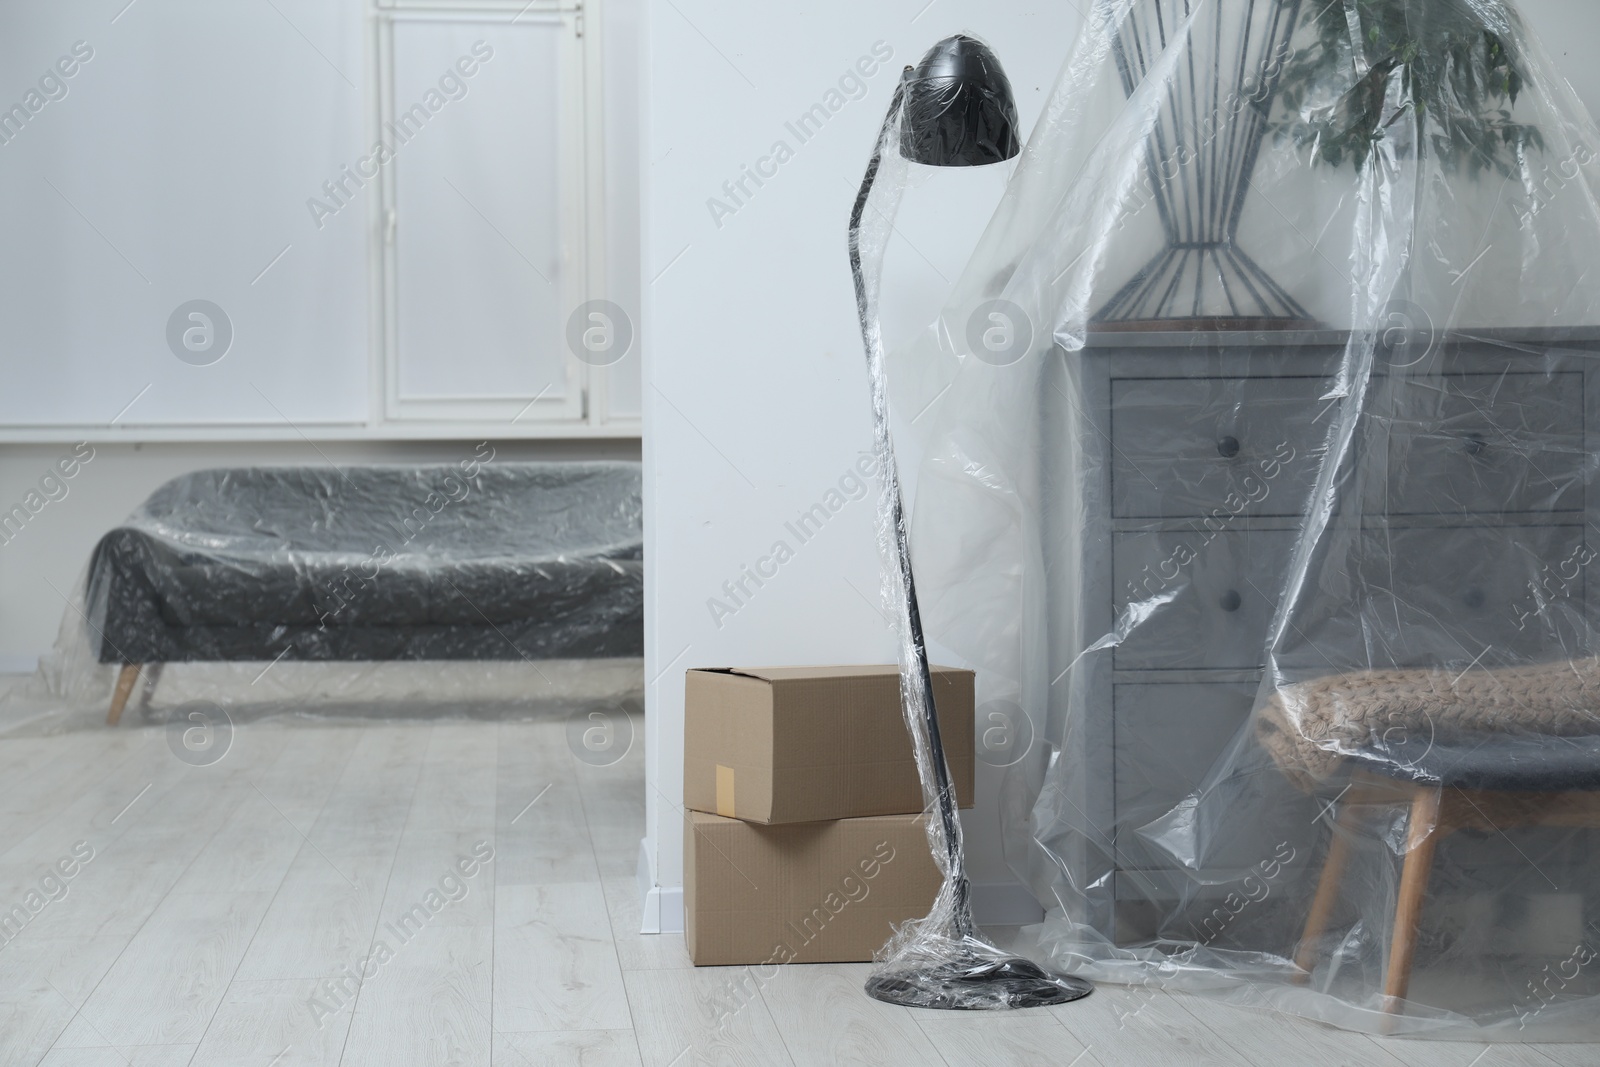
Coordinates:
(1259, 479)
(953, 109)
(379, 590)
(919, 942)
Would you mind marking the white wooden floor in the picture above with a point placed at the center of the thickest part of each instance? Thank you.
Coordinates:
(221, 900)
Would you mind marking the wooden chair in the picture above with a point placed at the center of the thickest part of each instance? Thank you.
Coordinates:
(1491, 783)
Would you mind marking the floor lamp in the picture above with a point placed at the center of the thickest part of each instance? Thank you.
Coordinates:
(953, 109)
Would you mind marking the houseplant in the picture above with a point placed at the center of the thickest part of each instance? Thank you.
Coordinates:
(1447, 68)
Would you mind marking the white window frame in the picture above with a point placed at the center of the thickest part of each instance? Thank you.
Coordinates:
(582, 236)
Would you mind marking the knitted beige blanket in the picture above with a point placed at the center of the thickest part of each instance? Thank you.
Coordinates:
(1309, 727)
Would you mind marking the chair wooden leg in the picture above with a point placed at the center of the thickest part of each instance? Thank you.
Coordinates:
(1422, 838)
(1333, 869)
(119, 697)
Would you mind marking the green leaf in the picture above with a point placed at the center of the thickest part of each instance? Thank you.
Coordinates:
(1458, 76)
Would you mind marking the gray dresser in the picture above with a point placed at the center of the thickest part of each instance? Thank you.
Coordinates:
(1178, 467)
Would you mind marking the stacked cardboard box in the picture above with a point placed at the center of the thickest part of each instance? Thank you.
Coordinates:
(805, 840)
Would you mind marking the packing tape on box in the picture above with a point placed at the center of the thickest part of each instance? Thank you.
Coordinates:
(725, 792)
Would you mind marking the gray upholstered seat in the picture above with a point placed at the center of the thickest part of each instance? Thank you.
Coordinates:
(1509, 763)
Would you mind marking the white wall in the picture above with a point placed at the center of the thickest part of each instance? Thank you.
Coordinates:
(1569, 30)
(755, 392)
(174, 168)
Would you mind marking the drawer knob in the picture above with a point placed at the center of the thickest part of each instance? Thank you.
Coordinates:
(1231, 600)
(1228, 447)
(1475, 445)
(1473, 598)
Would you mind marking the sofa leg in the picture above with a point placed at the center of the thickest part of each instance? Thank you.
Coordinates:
(119, 697)
(152, 678)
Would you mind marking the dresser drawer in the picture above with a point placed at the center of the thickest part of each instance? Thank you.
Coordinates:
(1215, 446)
(1432, 596)
(1223, 587)
(1168, 738)
(1481, 443)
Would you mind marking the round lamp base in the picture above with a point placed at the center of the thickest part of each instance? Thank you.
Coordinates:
(977, 984)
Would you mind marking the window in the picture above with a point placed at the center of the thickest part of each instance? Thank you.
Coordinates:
(384, 221)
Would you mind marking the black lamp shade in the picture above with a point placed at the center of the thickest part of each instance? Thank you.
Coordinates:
(959, 111)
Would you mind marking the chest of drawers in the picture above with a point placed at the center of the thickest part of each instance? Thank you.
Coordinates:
(1179, 472)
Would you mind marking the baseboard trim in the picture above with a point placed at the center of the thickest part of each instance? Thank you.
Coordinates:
(663, 910)
(661, 907)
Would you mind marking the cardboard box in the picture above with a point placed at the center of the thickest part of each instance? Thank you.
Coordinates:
(825, 892)
(803, 744)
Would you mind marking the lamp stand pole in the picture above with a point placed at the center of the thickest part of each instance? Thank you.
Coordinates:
(945, 962)
(922, 677)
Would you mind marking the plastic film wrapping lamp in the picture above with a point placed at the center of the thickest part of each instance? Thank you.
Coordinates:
(953, 109)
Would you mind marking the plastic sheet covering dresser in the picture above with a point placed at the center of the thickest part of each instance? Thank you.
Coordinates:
(400, 584)
(1258, 486)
